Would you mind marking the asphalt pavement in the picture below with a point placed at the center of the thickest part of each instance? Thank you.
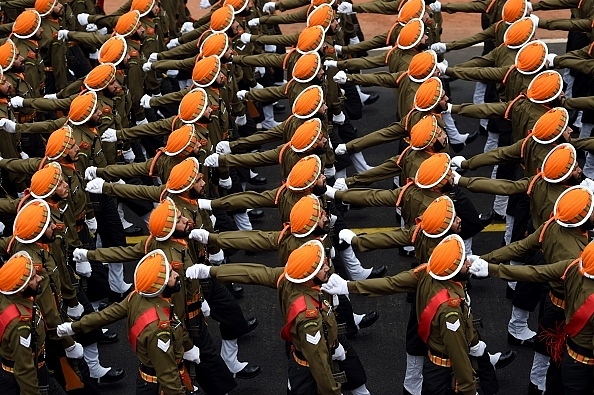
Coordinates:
(381, 347)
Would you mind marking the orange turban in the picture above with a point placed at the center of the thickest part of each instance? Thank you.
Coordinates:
(16, 273)
(410, 10)
(59, 143)
(181, 141)
(447, 258)
(429, 94)
(238, 5)
(514, 10)
(532, 57)
(559, 163)
(152, 274)
(573, 207)
(82, 108)
(128, 23)
(183, 175)
(434, 171)
(216, 44)
(163, 220)
(44, 7)
(222, 19)
(310, 39)
(113, 50)
(305, 215)
(424, 133)
(545, 87)
(143, 6)
(206, 71)
(308, 102)
(438, 217)
(317, 3)
(422, 66)
(31, 221)
(100, 77)
(305, 262)
(306, 135)
(8, 54)
(321, 16)
(307, 67)
(411, 34)
(193, 105)
(305, 173)
(519, 33)
(45, 181)
(26, 24)
(586, 267)
(550, 125)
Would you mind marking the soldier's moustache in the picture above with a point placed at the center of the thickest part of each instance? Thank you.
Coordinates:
(168, 291)
(30, 292)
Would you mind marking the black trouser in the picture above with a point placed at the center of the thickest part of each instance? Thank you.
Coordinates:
(9, 385)
(550, 322)
(224, 309)
(578, 378)
(437, 380)
(471, 224)
(414, 344)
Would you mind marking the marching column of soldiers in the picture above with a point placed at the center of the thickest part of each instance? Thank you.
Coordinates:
(148, 112)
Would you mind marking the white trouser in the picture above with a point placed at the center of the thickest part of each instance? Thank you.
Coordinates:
(362, 96)
(242, 220)
(269, 121)
(569, 79)
(468, 246)
(413, 377)
(125, 223)
(518, 324)
(91, 355)
(362, 390)
(229, 350)
(509, 226)
(115, 277)
(352, 265)
(538, 372)
(589, 165)
(359, 162)
(480, 88)
(451, 130)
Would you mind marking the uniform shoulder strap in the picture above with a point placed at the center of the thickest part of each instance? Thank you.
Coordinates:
(8, 315)
(282, 152)
(146, 318)
(298, 306)
(429, 313)
(154, 162)
(579, 319)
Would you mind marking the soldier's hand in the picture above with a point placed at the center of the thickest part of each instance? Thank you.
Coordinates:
(75, 312)
(198, 271)
(330, 192)
(478, 350)
(204, 4)
(200, 235)
(241, 94)
(339, 118)
(441, 67)
(336, 285)
(8, 125)
(269, 7)
(50, 96)
(245, 38)
(153, 57)
(75, 351)
(225, 183)
(329, 172)
(330, 63)
(187, 27)
(339, 354)
(129, 156)
(145, 101)
(456, 162)
(212, 160)
(95, 186)
(340, 77)
(109, 136)
(439, 47)
(456, 177)
(193, 354)
(551, 60)
(205, 308)
(479, 268)
(94, 55)
(80, 255)
(84, 268)
(92, 224)
(588, 183)
(340, 184)
(345, 8)
(2, 227)
(535, 19)
(204, 204)
(257, 86)
(91, 173)
(354, 40)
(341, 149)
(254, 22)
(435, 6)
(83, 18)
(65, 329)
(338, 49)
(147, 67)
(241, 120)
(346, 235)
(102, 31)
(91, 27)
(217, 258)
(16, 102)
(260, 70)
(172, 43)
(223, 147)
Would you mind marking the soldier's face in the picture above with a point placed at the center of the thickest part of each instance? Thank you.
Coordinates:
(58, 9)
(48, 235)
(95, 119)
(62, 189)
(457, 225)
(156, 10)
(183, 226)
(18, 66)
(235, 28)
(140, 31)
(5, 87)
(35, 284)
(73, 153)
(198, 188)
(173, 277)
(324, 274)
(38, 33)
(114, 88)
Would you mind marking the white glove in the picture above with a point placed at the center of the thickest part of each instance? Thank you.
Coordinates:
(217, 258)
(91, 173)
(254, 22)
(478, 349)
(456, 162)
(241, 94)
(535, 19)
(16, 102)
(270, 48)
(551, 60)
(109, 136)
(83, 268)
(260, 70)
(75, 351)
(479, 268)
(456, 177)
(204, 4)
(329, 172)
(223, 147)
(92, 225)
(225, 183)
(83, 19)
(330, 192)
(269, 7)
(23, 155)
(50, 96)
(200, 235)
(340, 77)
(128, 156)
(439, 47)
(354, 40)
(95, 186)
(142, 122)
(212, 160)
(75, 312)
(145, 101)
(588, 183)
(63, 35)
(153, 57)
(338, 49)
(172, 43)
(204, 204)
(245, 38)
(94, 55)
(2, 227)
(205, 308)
(80, 255)
(339, 353)
(529, 9)
(341, 149)
(64, 329)
(8, 125)
(339, 119)
(336, 285)
(333, 219)
(90, 28)
(340, 184)
(345, 8)
(172, 73)
(258, 85)
(102, 31)
(448, 109)
(435, 7)
(346, 235)
(198, 271)
(187, 27)
(147, 67)
(241, 120)
(192, 355)
(442, 68)
(330, 63)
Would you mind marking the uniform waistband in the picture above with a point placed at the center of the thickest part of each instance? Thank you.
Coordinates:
(556, 299)
(149, 374)
(439, 359)
(8, 364)
(299, 358)
(579, 353)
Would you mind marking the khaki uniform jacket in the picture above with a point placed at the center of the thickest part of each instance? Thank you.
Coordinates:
(34, 74)
(492, 8)
(282, 155)
(53, 51)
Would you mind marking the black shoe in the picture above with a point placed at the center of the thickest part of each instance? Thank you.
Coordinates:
(258, 180)
(112, 376)
(116, 297)
(256, 213)
(457, 147)
(373, 97)
(378, 272)
(505, 359)
(103, 304)
(491, 216)
(133, 231)
(249, 372)
(533, 389)
(517, 342)
(405, 391)
(278, 107)
(108, 337)
(471, 137)
(368, 319)
(403, 252)
(252, 323)
(483, 131)
(237, 291)
(509, 292)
